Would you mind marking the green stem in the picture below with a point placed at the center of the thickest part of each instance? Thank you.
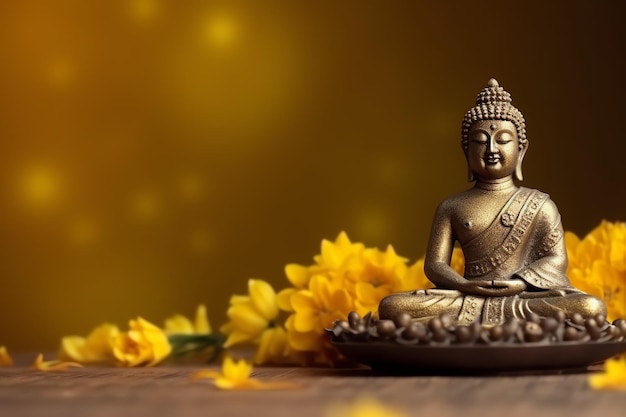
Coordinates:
(183, 344)
(204, 339)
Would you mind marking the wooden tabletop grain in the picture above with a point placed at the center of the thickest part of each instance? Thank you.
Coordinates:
(168, 391)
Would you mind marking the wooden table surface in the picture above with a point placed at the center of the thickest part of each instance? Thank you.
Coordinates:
(168, 391)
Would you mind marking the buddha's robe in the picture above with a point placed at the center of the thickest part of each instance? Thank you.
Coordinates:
(524, 241)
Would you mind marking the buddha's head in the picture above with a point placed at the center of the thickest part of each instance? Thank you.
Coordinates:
(493, 135)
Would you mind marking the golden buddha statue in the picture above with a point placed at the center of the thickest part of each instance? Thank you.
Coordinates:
(511, 237)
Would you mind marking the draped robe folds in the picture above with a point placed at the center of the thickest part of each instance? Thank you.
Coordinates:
(524, 241)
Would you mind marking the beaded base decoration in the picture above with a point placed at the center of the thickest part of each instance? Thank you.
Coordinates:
(443, 346)
(443, 331)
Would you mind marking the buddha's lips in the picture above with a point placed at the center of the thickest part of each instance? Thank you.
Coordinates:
(492, 159)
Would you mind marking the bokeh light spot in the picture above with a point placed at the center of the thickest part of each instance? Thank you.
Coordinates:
(221, 31)
(60, 73)
(143, 10)
(83, 232)
(40, 186)
(191, 187)
(146, 205)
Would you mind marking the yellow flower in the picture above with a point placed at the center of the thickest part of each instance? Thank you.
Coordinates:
(179, 324)
(375, 275)
(236, 376)
(613, 377)
(318, 307)
(346, 276)
(363, 407)
(53, 366)
(5, 358)
(143, 345)
(253, 320)
(96, 347)
(597, 265)
(193, 339)
(250, 315)
(273, 346)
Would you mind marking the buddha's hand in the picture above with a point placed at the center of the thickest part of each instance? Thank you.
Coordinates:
(492, 288)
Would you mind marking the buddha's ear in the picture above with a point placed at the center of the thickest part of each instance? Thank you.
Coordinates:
(520, 159)
(470, 174)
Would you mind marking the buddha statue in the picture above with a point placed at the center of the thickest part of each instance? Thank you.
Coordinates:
(511, 236)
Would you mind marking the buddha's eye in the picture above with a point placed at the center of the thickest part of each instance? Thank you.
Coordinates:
(504, 138)
(479, 137)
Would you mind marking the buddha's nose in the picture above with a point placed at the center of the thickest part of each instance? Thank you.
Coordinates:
(492, 146)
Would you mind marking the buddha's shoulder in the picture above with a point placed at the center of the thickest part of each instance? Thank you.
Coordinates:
(538, 195)
(548, 209)
(455, 202)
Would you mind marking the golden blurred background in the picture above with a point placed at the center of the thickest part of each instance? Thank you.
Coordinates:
(157, 153)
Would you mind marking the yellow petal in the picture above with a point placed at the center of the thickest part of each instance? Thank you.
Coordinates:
(366, 293)
(617, 254)
(142, 324)
(96, 347)
(53, 366)
(342, 239)
(227, 328)
(321, 289)
(330, 255)
(363, 407)
(254, 384)
(247, 319)
(144, 345)
(303, 300)
(99, 339)
(237, 337)
(613, 377)
(225, 383)
(236, 371)
(571, 242)
(272, 346)
(72, 348)
(306, 321)
(134, 335)
(239, 299)
(202, 320)
(415, 278)
(160, 352)
(283, 299)
(263, 298)
(299, 341)
(298, 275)
(178, 324)
(5, 358)
(341, 301)
(236, 376)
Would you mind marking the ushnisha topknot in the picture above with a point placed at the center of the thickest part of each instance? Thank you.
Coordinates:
(494, 103)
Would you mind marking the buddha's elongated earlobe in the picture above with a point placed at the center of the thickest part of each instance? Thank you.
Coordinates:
(470, 174)
(518, 168)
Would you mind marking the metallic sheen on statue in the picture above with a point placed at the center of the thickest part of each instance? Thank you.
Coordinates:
(511, 236)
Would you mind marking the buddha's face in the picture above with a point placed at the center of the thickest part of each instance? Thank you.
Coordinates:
(493, 149)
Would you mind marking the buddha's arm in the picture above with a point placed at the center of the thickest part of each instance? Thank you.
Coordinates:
(439, 252)
(548, 269)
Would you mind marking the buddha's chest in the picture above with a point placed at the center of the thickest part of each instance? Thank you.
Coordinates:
(474, 214)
